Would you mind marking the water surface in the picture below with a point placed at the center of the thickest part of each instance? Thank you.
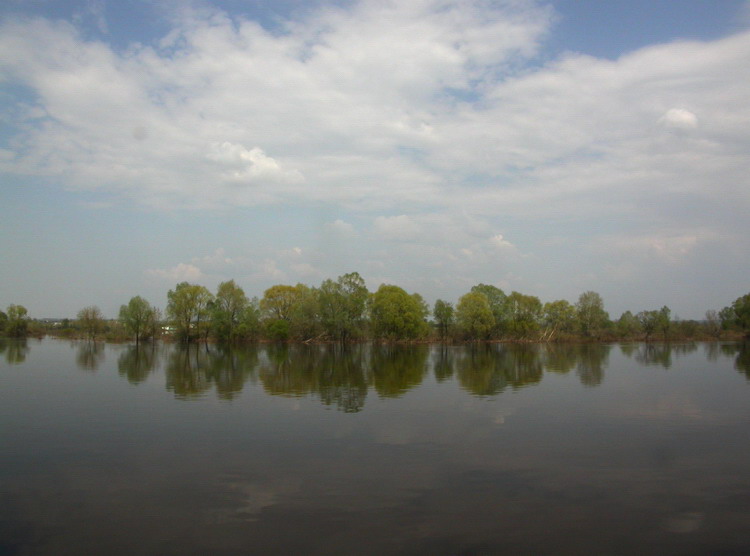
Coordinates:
(593, 449)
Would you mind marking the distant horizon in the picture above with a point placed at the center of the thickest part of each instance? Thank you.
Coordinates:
(431, 303)
(548, 147)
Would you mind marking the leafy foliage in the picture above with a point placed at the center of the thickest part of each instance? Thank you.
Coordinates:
(91, 321)
(139, 318)
(474, 315)
(397, 315)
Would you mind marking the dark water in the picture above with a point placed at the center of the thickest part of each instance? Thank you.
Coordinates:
(633, 449)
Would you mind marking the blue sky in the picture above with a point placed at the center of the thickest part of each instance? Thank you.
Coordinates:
(545, 147)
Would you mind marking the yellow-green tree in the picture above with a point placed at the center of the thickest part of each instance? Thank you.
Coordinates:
(90, 321)
(188, 310)
(229, 309)
(139, 318)
(474, 315)
(17, 321)
(396, 315)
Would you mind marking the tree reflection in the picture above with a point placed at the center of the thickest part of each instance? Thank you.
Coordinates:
(561, 358)
(593, 359)
(742, 361)
(443, 364)
(90, 355)
(186, 371)
(231, 367)
(654, 355)
(335, 373)
(137, 362)
(192, 369)
(394, 369)
(15, 350)
(478, 371)
(487, 370)
(340, 376)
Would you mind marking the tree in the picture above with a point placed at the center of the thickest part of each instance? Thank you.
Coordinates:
(188, 309)
(737, 314)
(290, 311)
(17, 324)
(3, 321)
(397, 315)
(713, 324)
(249, 324)
(91, 321)
(139, 318)
(228, 310)
(474, 315)
(558, 316)
(524, 312)
(649, 321)
(304, 322)
(443, 313)
(664, 321)
(498, 305)
(342, 306)
(627, 325)
(278, 302)
(590, 313)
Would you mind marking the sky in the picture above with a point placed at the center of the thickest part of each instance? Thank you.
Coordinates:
(545, 147)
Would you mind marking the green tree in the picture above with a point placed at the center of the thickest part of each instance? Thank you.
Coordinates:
(304, 320)
(664, 321)
(397, 315)
(343, 305)
(139, 319)
(737, 314)
(278, 302)
(558, 316)
(474, 315)
(249, 325)
(443, 313)
(188, 310)
(228, 310)
(590, 313)
(524, 313)
(498, 305)
(627, 325)
(90, 321)
(17, 325)
(3, 321)
(649, 321)
(290, 311)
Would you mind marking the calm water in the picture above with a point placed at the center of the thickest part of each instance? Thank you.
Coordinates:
(632, 449)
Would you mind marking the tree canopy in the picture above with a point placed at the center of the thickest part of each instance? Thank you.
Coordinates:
(397, 315)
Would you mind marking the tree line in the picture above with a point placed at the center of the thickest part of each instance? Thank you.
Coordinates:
(344, 310)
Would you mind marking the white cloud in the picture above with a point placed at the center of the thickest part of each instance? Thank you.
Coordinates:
(396, 228)
(342, 228)
(679, 118)
(500, 242)
(180, 273)
(252, 166)
(306, 270)
(268, 270)
(326, 99)
(665, 246)
(216, 261)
